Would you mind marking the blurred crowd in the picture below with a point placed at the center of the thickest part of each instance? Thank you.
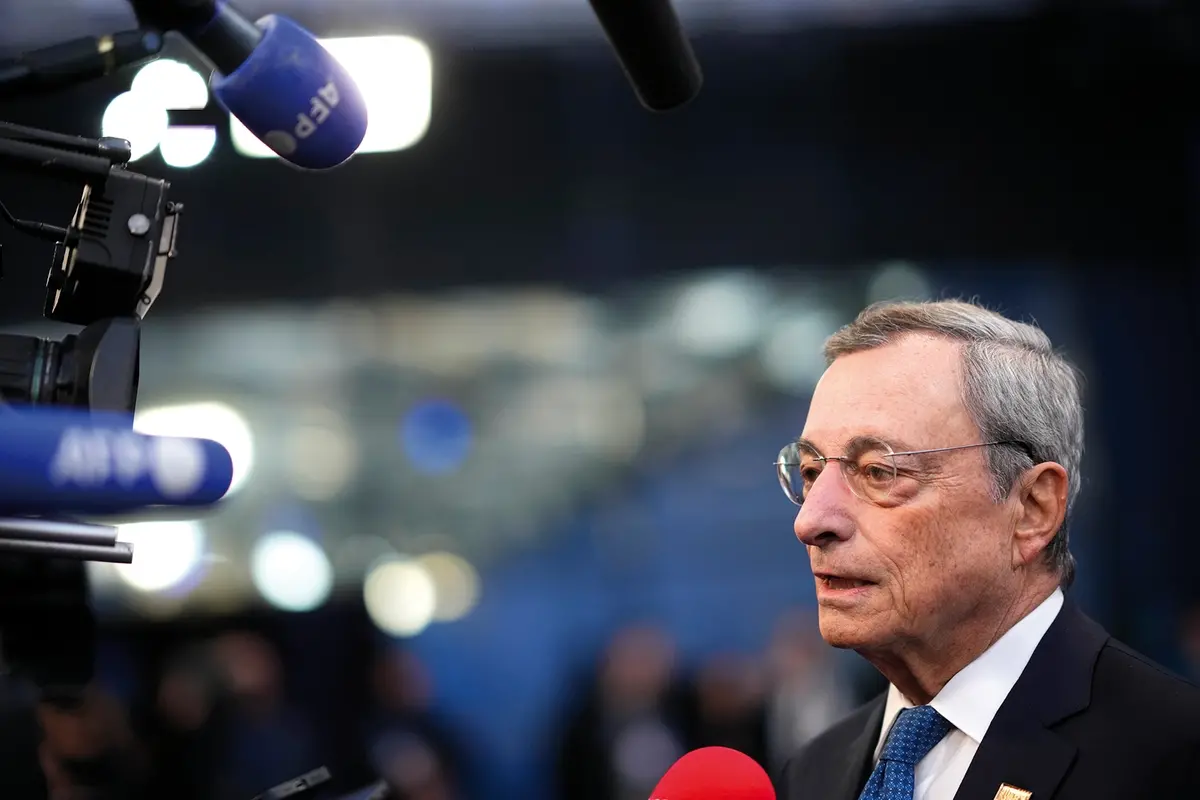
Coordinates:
(638, 712)
(219, 724)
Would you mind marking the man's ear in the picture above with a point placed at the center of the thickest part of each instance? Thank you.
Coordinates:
(1042, 498)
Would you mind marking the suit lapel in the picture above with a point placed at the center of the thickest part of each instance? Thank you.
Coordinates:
(848, 767)
(1033, 759)
(1020, 748)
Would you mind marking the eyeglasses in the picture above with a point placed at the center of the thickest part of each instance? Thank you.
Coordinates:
(870, 468)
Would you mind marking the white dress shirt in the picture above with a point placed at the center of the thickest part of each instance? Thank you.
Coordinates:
(970, 701)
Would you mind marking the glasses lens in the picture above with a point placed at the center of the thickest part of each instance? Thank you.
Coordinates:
(798, 468)
(871, 473)
(785, 464)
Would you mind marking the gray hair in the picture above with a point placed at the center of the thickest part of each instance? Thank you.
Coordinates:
(1015, 387)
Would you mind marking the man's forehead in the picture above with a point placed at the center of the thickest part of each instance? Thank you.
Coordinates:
(909, 391)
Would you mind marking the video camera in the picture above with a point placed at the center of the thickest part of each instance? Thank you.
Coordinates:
(107, 270)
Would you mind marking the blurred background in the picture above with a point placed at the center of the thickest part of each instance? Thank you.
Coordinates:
(504, 391)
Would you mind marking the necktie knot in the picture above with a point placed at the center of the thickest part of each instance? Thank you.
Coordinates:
(915, 732)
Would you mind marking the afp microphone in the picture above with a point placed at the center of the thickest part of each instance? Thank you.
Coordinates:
(56, 461)
(274, 76)
(653, 49)
(714, 773)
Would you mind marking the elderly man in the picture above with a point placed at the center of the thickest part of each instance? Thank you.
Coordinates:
(934, 477)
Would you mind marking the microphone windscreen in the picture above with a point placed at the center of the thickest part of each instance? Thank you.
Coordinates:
(295, 97)
(64, 461)
(653, 50)
(715, 773)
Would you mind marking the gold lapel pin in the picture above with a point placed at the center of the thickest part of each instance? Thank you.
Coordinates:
(1010, 792)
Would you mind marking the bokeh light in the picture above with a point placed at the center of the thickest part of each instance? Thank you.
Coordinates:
(400, 596)
(216, 421)
(291, 571)
(165, 553)
(436, 435)
(455, 582)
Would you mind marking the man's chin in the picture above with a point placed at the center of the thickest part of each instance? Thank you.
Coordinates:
(843, 632)
(842, 642)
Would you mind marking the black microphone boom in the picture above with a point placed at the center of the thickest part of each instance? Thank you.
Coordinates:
(653, 50)
(77, 61)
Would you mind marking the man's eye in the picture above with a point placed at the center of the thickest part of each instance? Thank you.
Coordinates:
(877, 473)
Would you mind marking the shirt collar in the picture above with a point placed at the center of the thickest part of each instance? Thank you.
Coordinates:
(970, 700)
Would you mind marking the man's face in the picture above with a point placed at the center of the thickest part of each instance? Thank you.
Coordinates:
(941, 546)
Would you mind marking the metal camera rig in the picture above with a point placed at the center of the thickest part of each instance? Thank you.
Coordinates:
(106, 272)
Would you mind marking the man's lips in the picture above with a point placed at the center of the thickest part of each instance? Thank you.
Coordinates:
(834, 580)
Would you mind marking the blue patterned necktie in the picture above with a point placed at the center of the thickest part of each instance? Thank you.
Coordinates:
(915, 732)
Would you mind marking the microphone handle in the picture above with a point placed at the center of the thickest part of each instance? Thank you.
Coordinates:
(227, 39)
(223, 35)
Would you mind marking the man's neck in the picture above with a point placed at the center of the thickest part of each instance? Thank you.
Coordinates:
(919, 669)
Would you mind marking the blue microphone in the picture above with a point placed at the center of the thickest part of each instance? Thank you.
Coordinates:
(56, 461)
(274, 76)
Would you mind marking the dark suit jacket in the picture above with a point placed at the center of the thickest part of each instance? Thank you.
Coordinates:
(1088, 719)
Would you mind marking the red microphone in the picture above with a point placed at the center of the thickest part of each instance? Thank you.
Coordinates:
(714, 773)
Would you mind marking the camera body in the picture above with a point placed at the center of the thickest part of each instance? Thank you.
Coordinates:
(106, 271)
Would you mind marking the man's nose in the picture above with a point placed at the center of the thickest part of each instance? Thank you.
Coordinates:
(824, 518)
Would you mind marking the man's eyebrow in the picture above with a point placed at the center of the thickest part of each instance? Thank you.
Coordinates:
(862, 441)
(802, 442)
(897, 445)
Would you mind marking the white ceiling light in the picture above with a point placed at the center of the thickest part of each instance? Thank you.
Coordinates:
(141, 115)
